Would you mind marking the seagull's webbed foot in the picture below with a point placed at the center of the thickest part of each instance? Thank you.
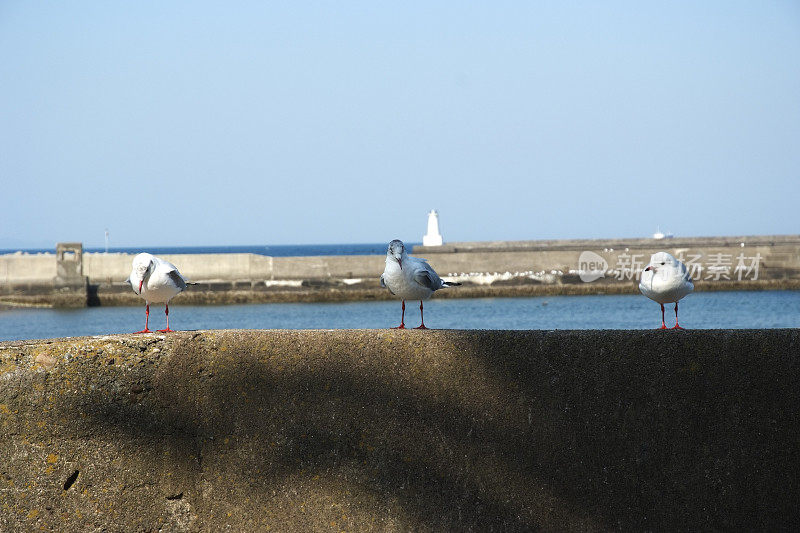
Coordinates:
(166, 330)
(401, 326)
(143, 331)
(421, 326)
(676, 326)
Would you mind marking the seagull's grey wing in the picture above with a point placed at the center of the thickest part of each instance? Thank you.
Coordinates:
(171, 271)
(427, 277)
(177, 279)
(423, 277)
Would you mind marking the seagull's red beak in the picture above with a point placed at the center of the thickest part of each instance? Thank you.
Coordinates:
(648, 268)
(140, 285)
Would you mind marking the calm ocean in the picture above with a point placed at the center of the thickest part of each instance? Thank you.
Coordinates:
(768, 309)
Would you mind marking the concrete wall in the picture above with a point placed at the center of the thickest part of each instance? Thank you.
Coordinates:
(776, 262)
(239, 267)
(402, 431)
(109, 268)
(341, 266)
(23, 268)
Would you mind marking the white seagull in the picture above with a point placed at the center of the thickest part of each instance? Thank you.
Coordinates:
(666, 280)
(410, 278)
(156, 281)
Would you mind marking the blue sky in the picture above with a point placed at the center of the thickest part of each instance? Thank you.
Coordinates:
(200, 123)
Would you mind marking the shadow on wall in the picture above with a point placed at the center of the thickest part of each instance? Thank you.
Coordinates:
(466, 430)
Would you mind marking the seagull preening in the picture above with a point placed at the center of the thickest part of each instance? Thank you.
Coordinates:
(156, 281)
(666, 280)
(410, 278)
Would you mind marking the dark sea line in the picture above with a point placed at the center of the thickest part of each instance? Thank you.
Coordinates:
(273, 250)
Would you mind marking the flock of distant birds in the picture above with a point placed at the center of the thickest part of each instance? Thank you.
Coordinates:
(664, 280)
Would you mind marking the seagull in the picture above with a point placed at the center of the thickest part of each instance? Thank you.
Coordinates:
(156, 281)
(410, 278)
(666, 280)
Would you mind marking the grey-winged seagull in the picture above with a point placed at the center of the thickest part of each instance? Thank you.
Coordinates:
(156, 281)
(410, 278)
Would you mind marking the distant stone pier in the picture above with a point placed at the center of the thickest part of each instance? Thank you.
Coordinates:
(508, 268)
(71, 287)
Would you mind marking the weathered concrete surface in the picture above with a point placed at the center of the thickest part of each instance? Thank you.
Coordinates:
(401, 430)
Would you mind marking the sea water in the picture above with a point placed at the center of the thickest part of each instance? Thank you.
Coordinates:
(702, 310)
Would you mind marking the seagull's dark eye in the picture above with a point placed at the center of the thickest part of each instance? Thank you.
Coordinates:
(663, 263)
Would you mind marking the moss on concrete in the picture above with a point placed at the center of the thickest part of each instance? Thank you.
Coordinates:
(401, 430)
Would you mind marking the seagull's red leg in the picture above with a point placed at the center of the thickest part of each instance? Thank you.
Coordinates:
(663, 326)
(402, 318)
(166, 312)
(676, 317)
(146, 320)
(422, 318)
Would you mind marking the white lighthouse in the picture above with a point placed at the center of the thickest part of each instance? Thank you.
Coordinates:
(433, 237)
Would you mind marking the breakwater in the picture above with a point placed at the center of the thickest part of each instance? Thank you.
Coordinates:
(401, 430)
(486, 269)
